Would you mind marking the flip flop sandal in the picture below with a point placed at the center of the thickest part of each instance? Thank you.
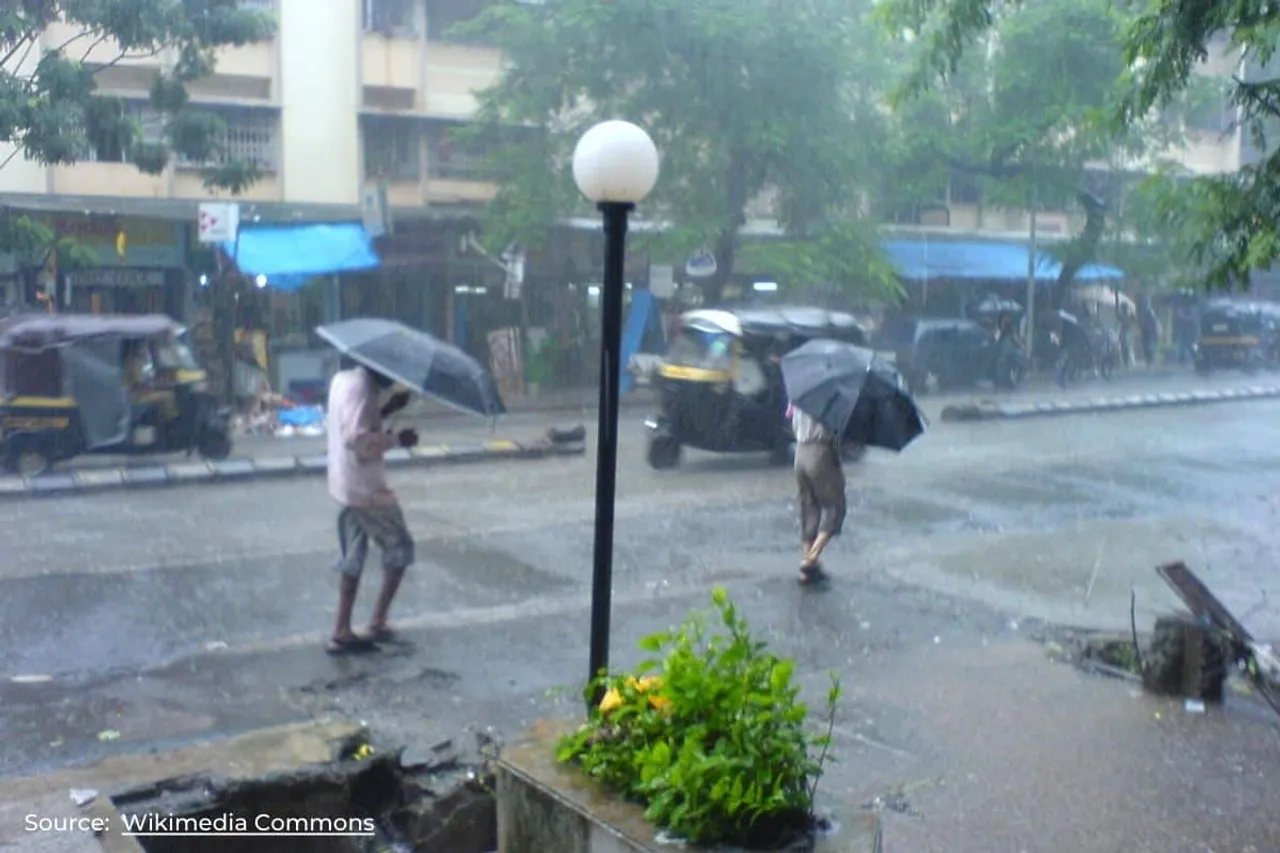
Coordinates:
(352, 646)
(812, 574)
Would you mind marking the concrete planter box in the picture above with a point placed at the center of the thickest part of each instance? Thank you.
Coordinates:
(544, 806)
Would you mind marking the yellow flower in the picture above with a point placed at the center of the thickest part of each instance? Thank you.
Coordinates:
(649, 682)
(612, 699)
(661, 703)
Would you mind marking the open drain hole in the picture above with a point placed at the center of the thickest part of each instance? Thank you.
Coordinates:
(370, 806)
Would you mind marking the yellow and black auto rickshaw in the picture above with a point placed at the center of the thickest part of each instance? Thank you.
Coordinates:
(720, 384)
(1242, 335)
(76, 384)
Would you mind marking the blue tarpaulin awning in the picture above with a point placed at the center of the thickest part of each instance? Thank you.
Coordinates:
(290, 255)
(974, 260)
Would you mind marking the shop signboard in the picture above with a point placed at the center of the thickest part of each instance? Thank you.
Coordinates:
(116, 277)
(154, 243)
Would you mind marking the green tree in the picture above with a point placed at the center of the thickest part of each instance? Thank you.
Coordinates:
(52, 113)
(741, 97)
(1019, 115)
(1229, 223)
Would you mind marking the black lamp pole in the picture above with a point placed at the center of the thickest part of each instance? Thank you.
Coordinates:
(615, 247)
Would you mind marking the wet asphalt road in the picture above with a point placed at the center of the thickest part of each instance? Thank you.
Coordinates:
(174, 614)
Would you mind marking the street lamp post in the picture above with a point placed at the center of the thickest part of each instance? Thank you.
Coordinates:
(615, 165)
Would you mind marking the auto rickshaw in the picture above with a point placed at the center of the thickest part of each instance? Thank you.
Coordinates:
(78, 384)
(720, 385)
(1244, 335)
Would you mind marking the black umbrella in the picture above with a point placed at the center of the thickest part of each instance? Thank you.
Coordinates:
(853, 393)
(418, 361)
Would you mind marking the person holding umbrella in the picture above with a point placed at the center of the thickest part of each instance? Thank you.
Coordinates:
(370, 511)
(840, 393)
(820, 485)
(378, 353)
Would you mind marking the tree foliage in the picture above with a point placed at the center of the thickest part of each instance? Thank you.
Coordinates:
(1023, 114)
(741, 97)
(1231, 222)
(52, 112)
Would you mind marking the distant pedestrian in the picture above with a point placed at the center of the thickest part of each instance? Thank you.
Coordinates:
(1149, 326)
(370, 510)
(820, 483)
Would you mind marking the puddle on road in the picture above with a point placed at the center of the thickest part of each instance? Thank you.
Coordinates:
(1038, 488)
(488, 567)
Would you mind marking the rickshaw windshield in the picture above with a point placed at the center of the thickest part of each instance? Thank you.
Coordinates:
(706, 350)
(174, 354)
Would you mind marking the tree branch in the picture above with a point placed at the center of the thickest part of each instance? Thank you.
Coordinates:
(17, 149)
(124, 54)
(75, 38)
(97, 42)
(27, 39)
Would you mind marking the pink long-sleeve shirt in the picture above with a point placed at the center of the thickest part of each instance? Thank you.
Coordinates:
(357, 470)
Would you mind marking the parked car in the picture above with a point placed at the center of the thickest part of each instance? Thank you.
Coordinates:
(944, 353)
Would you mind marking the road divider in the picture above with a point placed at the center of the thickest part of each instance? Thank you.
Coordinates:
(187, 473)
(992, 410)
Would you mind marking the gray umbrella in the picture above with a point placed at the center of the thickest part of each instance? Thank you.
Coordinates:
(853, 393)
(418, 361)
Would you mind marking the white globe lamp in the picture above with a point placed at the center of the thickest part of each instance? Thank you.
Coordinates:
(615, 162)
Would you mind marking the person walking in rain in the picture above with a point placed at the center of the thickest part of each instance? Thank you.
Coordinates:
(820, 483)
(370, 511)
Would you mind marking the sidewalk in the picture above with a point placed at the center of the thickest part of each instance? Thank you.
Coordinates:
(968, 747)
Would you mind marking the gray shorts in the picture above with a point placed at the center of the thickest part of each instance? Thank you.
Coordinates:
(385, 527)
(821, 483)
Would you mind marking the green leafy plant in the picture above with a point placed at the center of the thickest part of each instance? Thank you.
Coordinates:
(709, 735)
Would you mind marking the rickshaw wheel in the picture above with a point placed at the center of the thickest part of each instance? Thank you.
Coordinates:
(28, 459)
(664, 454)
(215, 446)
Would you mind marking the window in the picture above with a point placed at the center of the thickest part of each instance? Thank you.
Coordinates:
(110, 149)
(452, 160)
(443, 15)
(251, 136)
(392, 148)
(390, 17)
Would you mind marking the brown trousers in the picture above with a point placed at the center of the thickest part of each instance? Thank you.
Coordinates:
(820, 478)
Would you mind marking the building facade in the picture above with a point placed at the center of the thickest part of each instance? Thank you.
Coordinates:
(356, 95)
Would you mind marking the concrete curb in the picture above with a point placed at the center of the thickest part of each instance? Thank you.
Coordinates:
(198, 472)
(982, 410)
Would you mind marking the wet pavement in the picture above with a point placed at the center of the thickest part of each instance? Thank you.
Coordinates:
(439, 425)
(165, 616)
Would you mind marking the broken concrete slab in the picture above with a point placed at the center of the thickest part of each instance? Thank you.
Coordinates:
(251, 755)
(280, 786)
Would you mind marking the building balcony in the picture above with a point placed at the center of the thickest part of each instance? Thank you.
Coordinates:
(446, 191)
(77, 41)
(107, 179)
(454, 74)
(1209, 153)
(413, 194)
(252, 60)
(389, 62)
(187, 184)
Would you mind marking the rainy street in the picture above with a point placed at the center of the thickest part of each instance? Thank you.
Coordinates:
(171, 614)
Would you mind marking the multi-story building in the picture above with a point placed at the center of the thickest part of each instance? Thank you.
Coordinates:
(350, 95)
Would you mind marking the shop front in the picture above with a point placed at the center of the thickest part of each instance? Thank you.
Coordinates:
(138, 270)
